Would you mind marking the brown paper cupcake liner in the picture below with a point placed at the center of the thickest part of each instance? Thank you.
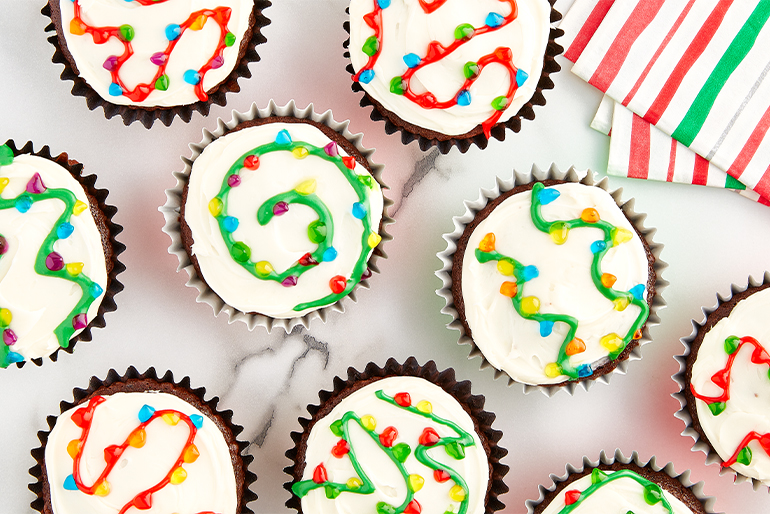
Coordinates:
(173, 208)
(428, 138)
(148, 115)
(133, 381)
(690, 493)
(687, 412)
(103, 214)
(461, 391)
(472, 208)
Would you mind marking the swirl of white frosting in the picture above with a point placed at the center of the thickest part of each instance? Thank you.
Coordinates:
(746, 410)
(193, 50)
(408, 29)
(564, 285)
(210, 483)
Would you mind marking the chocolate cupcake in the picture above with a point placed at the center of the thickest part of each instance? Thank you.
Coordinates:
(278, 216)
(724, 384)
(452, 73)
(620, 484)
(399, 439)
(58, 254)
(552, 279)
(141, 442)
(155, 59)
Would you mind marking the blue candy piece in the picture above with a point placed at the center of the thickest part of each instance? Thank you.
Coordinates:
(598, 246)
(584, 370)
(145, 413)
(69, 483)
(23, 204)
(330, 254)
(530, 272)
(116, 90)
(358, 210)
(14, 357)
(494, 20)
(546, 327)
(96, 290)
(412, 60)
(384, 4)
(65, 230)
(637, 291)
(283, 137)
(547, 195)
(521, 77)
(197, 420)
(464, 98)
(366, 76)
(192, 77)
(230, 223)
(173, 31)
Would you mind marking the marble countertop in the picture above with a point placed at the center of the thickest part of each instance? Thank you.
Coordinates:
(712, 238)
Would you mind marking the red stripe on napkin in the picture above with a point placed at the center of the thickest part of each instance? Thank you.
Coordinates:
(588, 30)
(639, 157)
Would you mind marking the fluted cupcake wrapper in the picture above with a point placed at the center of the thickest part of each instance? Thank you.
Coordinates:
(174, 197)
(632, 352)
(685, 413)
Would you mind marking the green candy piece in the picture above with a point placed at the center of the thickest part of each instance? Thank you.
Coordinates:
(731, 344)
(464, 31)
(229, 39)
(241, 252)
(397, 86)
(470, 70)
(744, 457)
(336, 428)
(597, 476)
(500, 103)
(385, 508)
(316, 232)
(366, 180)
(371, 46)
(6, 155)
(717, 408)
(401, 451)
(455, 450)
(652, 494)
(162, 83)
(126, 32)
(331, 491)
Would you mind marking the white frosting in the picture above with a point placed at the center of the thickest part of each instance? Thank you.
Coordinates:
(564, 285)
(389, 483)
(210, 483)
(39, 303)
(284, 240)
(747, 409)
(408, 29)
(619, 496)
(192, 51)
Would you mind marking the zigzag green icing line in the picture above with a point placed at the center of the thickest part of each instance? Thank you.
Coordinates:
(653, 493)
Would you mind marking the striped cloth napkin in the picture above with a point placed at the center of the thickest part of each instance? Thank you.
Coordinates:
(693, 68)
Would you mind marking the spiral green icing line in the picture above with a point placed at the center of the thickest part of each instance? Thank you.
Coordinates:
(320, 232)
(397, 453)
(48, 262)
(653, 493)
(528, 307)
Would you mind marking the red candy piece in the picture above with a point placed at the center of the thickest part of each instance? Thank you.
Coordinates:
(388, 436)
(251, 162)
(765, 442)
(571, 496)
(319, 474)
(112, 453)
(308, 260)
(403, 399)
(504, 54)
(720, 378)
(441, 476)
(427, 101)
(434, 50)
(349, 162)
(338, 284)
(341, 449)
(413, 508)
(81, 417)
(143, 501)
(429, 437)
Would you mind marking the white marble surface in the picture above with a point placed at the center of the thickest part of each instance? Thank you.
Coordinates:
(712, 237)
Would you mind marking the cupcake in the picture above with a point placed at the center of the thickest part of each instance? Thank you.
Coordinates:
(58, 254)
(725, 387)
(620, 484)
(452, 73)
(155, 59)
(280, 215)
(399, 439)
(141, 442)
(551, 279)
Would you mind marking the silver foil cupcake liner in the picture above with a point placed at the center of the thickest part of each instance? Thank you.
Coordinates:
(172, 207)
(520, 178)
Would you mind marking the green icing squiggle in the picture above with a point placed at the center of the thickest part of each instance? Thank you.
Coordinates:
(653, 493)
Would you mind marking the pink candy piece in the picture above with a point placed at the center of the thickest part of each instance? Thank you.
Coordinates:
(217, 62)
(9, 337)
(366, 274)
(331, 149)
(289, 281)
(54, 261)
(234, 180)
(79, 321)
(35, 185)
(159, 59)
(3, 245)
(111, 63)
(281, 208)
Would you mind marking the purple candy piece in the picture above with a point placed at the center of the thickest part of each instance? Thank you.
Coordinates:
(9, 337)
(366, 274)
(79, 321)
(3, 245)
(331, 149)
(54, 261)
(217, 62)
(281, 208)
(35, 185)
(111, 63)
(159, 59)
(234, 180)
(289, 281)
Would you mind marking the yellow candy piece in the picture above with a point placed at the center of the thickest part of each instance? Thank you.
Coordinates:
(264, 268)
(178, 476)
(215, 207)
(575, 346)
(79, 207)
(552, 370)
(457, 493)
(590, 215)
(5, 317)
(103, 489)
(416, 482)
(191, 454)
(300, 152)
(488, 243)
(3, 182)
(354, 483)
(369, 422)
(559, 233)
(137, 438)
(199, 22)
(73, 448)
(505, 268)
(621, 235)
(612, 342)
(374, 239)
(425, 406)
(171, 418)
(509, 289)
(74, 268)
(530, 305)
(608, 280)
(77, 27)
(307, 187)
(620, 303)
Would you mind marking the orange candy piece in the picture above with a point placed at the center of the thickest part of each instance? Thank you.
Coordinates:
(575, 346)
(590, 215)
(137, 438)
(488, 243)
(73, 448)
(191, 454)
(77, 27)
(608, 280)
(509, 289)
(638, 334)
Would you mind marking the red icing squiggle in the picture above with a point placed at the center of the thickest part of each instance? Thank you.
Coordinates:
(722, 377)
(764, 442)
(429, 7)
